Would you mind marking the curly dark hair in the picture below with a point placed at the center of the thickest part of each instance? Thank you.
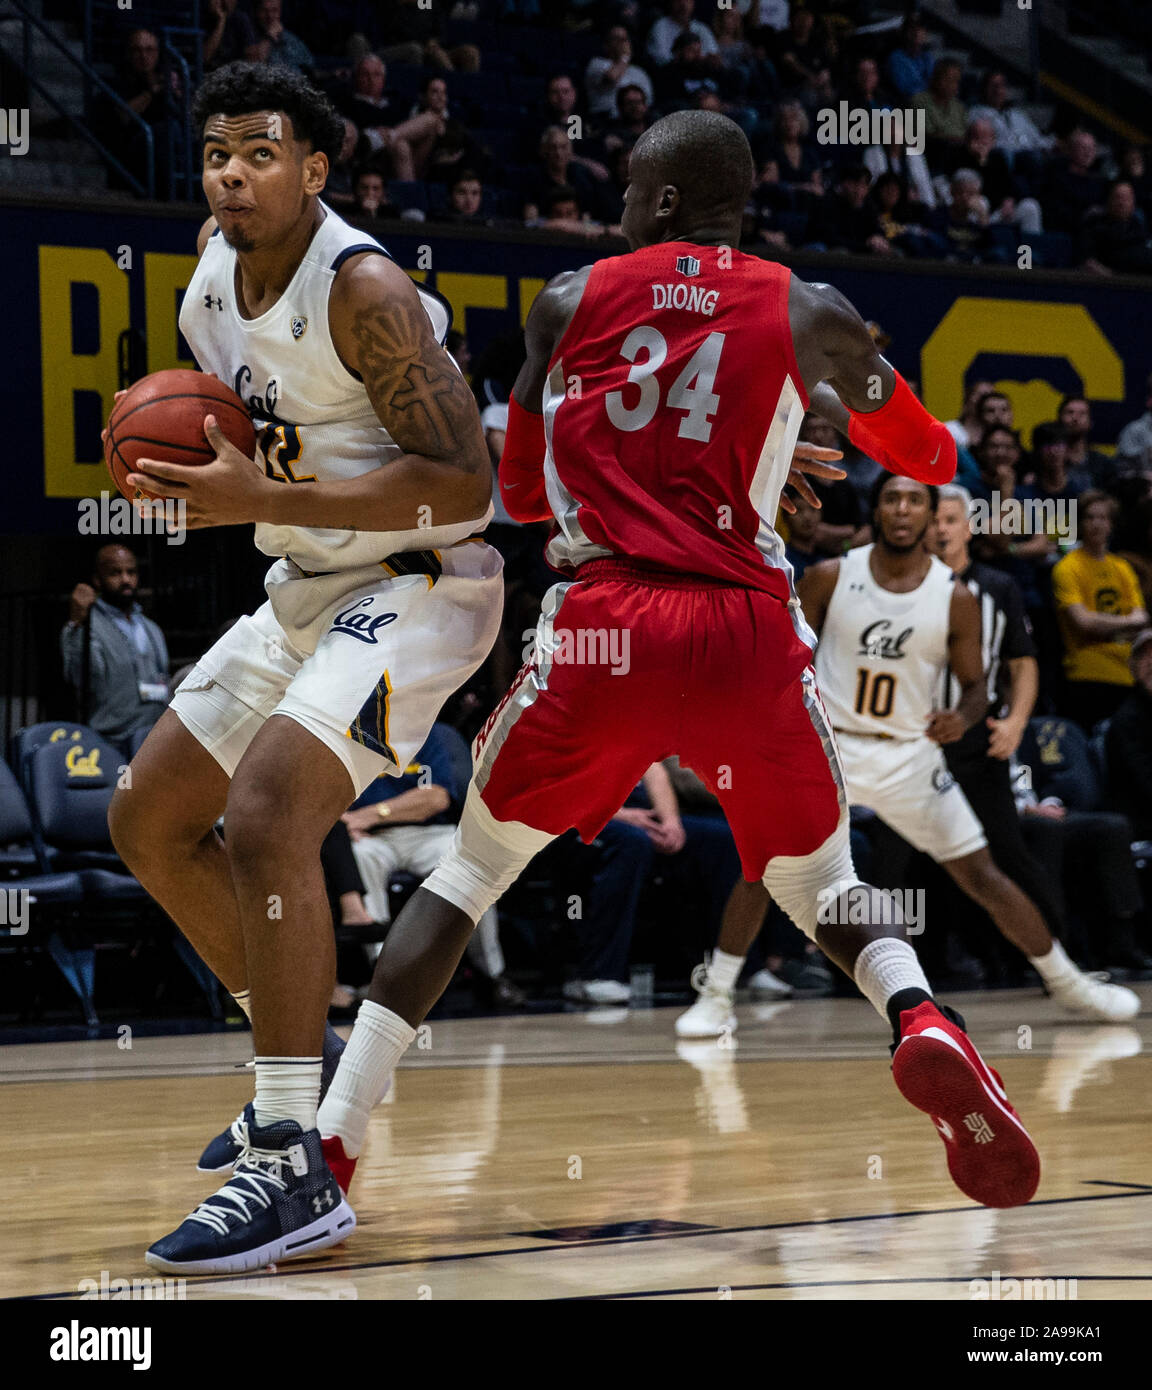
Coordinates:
(881, 481)
(240, 88)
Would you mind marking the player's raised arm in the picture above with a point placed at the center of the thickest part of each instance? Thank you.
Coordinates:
(814, 590)
(868, 399)
(522, 462)
(967, 663)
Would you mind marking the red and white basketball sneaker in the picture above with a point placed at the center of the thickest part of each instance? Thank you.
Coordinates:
(342, 1167)
(990, 1155)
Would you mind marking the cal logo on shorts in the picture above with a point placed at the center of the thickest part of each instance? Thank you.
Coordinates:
(354, 622)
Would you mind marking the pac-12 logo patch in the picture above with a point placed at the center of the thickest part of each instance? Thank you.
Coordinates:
(687, 265)
(299, 326)
(942, 780)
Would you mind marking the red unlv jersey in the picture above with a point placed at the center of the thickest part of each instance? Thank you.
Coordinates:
(671, 408)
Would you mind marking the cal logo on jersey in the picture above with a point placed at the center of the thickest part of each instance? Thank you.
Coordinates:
(687, 265)
(299, 326)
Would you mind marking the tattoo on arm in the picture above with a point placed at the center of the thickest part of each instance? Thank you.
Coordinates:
(419, 395)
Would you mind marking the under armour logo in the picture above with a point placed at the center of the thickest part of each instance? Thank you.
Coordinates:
(980, 1128)
(209, 301)
(323, 1200)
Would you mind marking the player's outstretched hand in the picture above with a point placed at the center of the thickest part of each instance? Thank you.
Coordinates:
(945, 726)
(815, 461)
(226, 492)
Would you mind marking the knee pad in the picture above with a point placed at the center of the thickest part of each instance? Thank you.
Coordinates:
(484, 859)
(805, 885)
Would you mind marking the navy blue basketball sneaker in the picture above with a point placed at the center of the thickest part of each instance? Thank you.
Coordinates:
(280, 1203)
(223, 1151)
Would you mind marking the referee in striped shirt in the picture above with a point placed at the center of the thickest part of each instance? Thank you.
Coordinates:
(979, 760)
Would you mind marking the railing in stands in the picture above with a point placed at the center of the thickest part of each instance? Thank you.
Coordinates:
(145, 188)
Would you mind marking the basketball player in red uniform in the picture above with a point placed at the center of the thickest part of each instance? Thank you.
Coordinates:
(653, 422)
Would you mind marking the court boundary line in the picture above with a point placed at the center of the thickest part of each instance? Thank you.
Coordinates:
(831, 1284)
(214, 1280)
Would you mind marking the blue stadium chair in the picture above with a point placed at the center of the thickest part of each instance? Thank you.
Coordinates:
(69, 787)
(69, 783)
(54, 899)
(26, 741)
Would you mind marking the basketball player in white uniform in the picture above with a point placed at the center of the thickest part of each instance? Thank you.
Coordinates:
(891, 619)
(370, 485)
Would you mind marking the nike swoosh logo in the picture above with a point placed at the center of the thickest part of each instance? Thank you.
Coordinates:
(935, 456)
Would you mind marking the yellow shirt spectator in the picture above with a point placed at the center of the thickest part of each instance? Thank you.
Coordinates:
(1104, 585)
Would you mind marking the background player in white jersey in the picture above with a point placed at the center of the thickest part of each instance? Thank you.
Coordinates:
(373, 478)
(891, 619)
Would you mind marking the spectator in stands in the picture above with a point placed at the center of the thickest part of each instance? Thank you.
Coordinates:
(1013, 543)
(680, 82)
(372, 197)
(757, 80)
(696, 854)
(392, 140)
(994, 408)
(276, 45)
(454, 147)
(414, 32)
(340, 189)
(1078, 844)
(804, 59)
(605, 77)
(127, 657)
(1134, 446)
(404, 825)
(1100, 609)
(1015, 132)
(1000, 190)
(560, 168)
(909, 67)
(848, 220)
(465, 200)
(1136, 546)
(633, 117)
(796, 158)
(840, 522)
(1070, 188)
(945, 115)
(676, 21)
(561, 103)
(1115, 240)
(968, 428)
(228, 33)
(145, 79)
(1087, 467)
(1047, 477)
(800, 550)
(963, 225)
(1129, 743)
(1133, 167)
(901, 222)
(911, 168)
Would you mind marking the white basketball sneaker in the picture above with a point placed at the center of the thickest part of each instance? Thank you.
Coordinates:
(765, 985)
(1093, 997)
(710, 1016)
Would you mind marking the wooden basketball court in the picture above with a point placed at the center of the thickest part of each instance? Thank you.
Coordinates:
(588, 1155)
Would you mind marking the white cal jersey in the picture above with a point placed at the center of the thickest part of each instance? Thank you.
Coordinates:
(881, 656)
(313, 418)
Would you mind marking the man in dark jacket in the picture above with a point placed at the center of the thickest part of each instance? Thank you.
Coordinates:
(127, 684)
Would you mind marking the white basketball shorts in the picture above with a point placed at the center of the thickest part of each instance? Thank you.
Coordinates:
(363, 658)
(907, 783)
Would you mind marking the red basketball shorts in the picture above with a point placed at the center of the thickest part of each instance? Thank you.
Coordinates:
(629, 667)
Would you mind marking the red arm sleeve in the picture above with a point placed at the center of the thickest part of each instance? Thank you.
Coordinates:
(903, 438)
(522, 466)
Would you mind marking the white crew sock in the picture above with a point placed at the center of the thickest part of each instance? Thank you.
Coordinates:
(287, 1088)
(379, 1039)
(724, 971)
(1055, 968)
(243, 998)
(885, 967)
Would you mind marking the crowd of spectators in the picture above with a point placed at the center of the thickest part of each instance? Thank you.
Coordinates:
(428, 111)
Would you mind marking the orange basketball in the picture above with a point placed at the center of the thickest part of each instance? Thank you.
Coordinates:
(162, 417)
